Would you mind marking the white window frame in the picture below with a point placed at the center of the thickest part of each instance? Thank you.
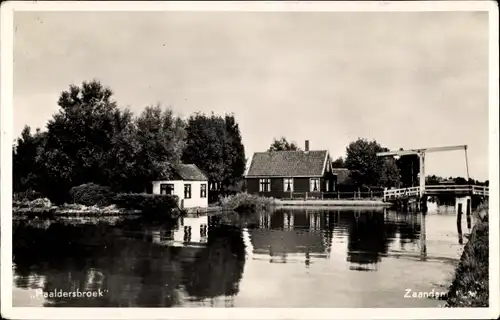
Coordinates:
(327, 185)
(203, 192)
(311, 184)
(165, 187)
(287, 181)
(262, 183)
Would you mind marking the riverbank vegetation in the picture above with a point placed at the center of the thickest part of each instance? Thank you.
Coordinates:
(148, 205)
(470, 286)
(245, 202)
(90, 140)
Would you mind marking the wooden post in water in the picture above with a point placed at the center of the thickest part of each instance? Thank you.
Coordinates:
(467, 211)
(459, 222)
(423, 244)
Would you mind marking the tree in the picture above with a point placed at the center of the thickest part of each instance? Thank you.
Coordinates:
(409, 167)
(79, 138)
(26, 170)
(283, 145)
(215, 145)
(205, 145)
(390, 174)
(160, 139)
(366, 168)
(338, 163)
(433, 180)
(234, 155)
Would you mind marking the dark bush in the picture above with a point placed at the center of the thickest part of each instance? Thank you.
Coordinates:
(147, 203)
(28, 195)
(92, 194)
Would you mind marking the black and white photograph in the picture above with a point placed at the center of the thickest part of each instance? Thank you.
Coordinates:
(235, 160)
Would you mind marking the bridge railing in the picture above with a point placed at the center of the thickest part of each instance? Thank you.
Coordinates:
(400, 193)
(415, 191)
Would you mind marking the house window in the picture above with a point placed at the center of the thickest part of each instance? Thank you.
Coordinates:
(265, 185)
(314, 184)
(203, 190)
(167, 188)
(187, 191)
(327, 185)
(288, 184)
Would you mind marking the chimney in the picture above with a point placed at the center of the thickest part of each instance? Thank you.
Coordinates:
(307, 146)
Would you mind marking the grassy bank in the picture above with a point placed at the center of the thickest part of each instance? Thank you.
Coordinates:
(245, 202)
(120, 204)
(470, 284)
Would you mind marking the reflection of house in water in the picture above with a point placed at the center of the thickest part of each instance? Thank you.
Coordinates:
(293, 235)
(191, 230)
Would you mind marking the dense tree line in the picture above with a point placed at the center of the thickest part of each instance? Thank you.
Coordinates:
(91, 140)
(368, 170)
(282, 144)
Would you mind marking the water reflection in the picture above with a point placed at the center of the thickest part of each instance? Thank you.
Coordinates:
(203, 260)
(134, 265)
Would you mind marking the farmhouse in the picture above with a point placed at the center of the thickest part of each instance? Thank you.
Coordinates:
(287, 174)
(189, 183)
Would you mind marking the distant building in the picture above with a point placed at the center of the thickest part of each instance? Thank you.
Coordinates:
(189, 183)
(342, 175)
(281, 174)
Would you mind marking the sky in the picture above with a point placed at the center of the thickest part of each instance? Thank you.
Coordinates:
(404, 79)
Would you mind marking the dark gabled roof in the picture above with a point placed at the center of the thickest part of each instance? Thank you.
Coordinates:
(190, 172)
(288, 164)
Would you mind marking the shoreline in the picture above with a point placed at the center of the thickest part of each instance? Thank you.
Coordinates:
(57, 211)
(470, 285)
(333, 203)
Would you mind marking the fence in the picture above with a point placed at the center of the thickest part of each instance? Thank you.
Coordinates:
(441, 190)
(339, 195)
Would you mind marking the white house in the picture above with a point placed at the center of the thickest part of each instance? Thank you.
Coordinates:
(191, 230)
(189, 183)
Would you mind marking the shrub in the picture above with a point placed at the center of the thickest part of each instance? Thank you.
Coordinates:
(245, 202)
(28, 195)
(92, 194)
(147, 203)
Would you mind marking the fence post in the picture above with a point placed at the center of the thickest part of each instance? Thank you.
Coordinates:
(371, 194)
(338, 195)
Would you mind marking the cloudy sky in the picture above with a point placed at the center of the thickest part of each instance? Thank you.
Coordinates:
(406, 79)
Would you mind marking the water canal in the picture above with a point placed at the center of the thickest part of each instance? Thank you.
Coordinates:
(285, 258)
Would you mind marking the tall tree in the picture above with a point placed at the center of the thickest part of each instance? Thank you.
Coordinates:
(215, 145)
(79, 138)
(160, 137)
(205, 145)
(366, 168)
(282, 145)
(234, 155)
(26, 171)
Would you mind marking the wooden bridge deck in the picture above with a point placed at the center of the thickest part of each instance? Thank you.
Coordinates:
(436, 190)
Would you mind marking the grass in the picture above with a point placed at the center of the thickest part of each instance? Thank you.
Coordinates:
(470, 284)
